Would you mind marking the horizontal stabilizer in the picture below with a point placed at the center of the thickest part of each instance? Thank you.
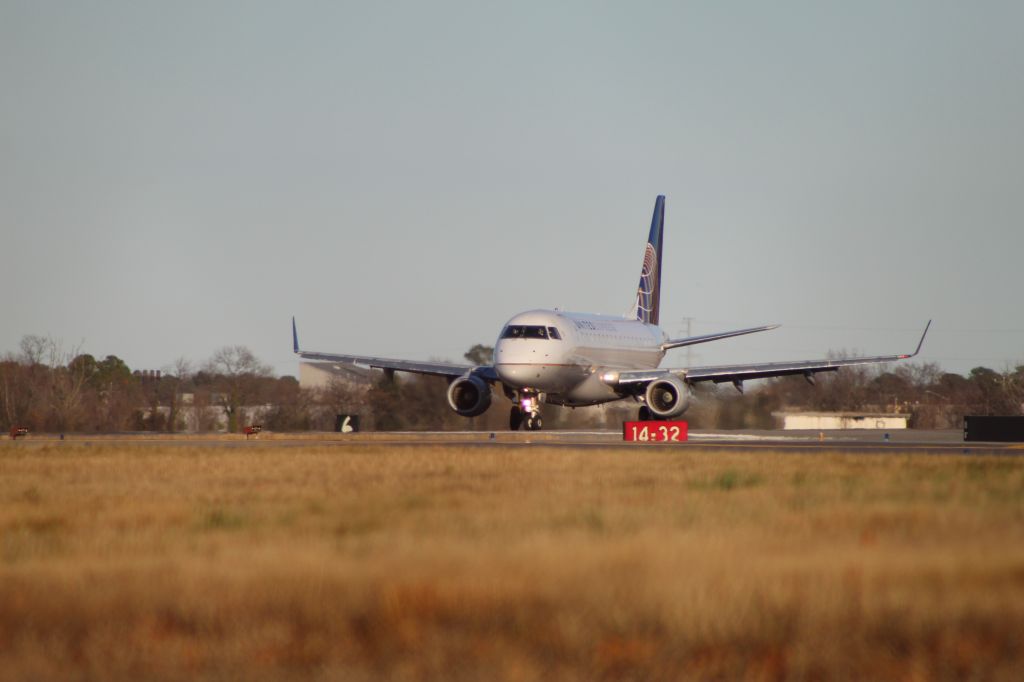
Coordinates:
(692, 340)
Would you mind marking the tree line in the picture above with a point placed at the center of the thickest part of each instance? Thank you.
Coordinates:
(45, 387)
(932, 398)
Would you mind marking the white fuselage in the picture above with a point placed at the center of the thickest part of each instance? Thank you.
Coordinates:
(566, 365)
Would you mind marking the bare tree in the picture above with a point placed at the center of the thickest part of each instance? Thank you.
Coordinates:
(68, 380)
(24, 384)
(175, 376)
(16, 392)
(34, 349)
(238, 383)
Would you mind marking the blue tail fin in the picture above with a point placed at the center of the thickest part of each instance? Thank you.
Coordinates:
(648, 293)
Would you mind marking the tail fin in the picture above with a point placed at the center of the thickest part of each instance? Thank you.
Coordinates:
(648, 293)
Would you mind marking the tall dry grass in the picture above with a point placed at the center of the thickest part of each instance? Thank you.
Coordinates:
(499, 563)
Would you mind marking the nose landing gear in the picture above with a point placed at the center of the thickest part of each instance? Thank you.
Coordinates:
(527, 411)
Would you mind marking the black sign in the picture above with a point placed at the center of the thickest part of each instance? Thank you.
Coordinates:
(998, 429)
(346, 423)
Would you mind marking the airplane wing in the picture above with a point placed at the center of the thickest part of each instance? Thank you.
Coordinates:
(445, 369)
(737, 374)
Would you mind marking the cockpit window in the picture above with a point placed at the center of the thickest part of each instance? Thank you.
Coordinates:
(529, 331)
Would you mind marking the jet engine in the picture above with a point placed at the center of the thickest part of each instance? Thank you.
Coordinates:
(469, 395)
(667, 397)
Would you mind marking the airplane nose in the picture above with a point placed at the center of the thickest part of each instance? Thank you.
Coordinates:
(525, 365)
(518, 374)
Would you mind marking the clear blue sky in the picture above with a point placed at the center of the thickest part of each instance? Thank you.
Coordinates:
(403, 177)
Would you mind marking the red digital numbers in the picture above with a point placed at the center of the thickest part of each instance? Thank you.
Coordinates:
(655, 432)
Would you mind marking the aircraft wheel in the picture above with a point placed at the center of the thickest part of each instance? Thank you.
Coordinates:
(534, 422)
(515, 419)
(645, 414)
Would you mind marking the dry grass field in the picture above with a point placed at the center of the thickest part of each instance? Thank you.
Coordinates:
(169, 562)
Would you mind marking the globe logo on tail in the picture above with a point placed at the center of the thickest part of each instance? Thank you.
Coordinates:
(648, 280)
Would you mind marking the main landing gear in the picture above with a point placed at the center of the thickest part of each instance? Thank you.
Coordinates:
(526, 412)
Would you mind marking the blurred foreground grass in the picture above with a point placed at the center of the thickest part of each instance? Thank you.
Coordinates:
(499, 563)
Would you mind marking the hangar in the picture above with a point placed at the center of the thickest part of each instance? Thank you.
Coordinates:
(320, 374)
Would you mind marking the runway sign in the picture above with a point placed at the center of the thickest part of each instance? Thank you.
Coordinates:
(655, 432)
(994, 429)
(346, 423)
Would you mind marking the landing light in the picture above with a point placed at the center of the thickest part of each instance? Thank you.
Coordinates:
(610, 378)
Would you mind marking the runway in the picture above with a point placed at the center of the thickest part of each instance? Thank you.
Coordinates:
(768, 441)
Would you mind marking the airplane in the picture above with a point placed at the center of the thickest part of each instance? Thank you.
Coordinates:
(581, 359)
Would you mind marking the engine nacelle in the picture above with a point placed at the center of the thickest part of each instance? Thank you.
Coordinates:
(469, 395)
(667, 397)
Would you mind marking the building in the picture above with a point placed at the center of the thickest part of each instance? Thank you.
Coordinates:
(320, 374)
(827, 421)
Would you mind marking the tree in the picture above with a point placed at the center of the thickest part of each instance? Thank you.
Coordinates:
(113, 395)
(384, 400)
(987, 384)
(69, 374)
(17, 394)
(24, 385)
(84, 364)
(176, 377)
(111, 371)
(238, 381)
(891, 389)
(845, 389)
(340, 397)
(480, 354)
(33, 349)
(290, 406)
(1013, 385)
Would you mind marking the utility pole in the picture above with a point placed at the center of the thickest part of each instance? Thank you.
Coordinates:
(689, 332)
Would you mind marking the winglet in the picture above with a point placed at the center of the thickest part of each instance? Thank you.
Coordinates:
(295, 337)
(919, 343)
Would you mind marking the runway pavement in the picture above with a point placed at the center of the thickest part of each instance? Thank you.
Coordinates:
(770, 441)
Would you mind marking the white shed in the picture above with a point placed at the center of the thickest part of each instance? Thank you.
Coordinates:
(826, 421)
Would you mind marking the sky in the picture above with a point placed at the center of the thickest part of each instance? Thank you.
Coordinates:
(403, 177)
